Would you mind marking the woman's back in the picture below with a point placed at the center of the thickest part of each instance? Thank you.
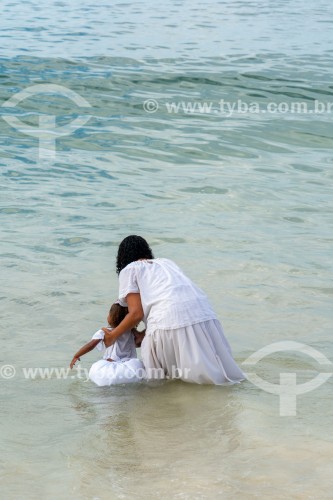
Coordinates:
(169, 298)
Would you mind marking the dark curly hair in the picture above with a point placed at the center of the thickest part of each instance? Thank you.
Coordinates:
(116, 314)
(130, 249)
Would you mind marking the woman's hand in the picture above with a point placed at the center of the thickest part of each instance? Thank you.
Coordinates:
(109, 338)
(134, 316)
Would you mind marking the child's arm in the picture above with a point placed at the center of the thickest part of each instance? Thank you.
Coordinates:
(86, 348)
(138, 336)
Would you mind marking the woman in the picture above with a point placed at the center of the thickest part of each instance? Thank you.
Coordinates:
(184, 338)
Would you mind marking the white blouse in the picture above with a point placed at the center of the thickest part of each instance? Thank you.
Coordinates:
(122, 349)
(169, 298)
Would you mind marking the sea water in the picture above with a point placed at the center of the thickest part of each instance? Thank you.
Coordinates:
(240, 197)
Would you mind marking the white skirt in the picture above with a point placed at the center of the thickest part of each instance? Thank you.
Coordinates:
(105, 372)
(199, 353)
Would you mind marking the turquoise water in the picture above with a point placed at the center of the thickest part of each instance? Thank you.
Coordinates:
(242, 201)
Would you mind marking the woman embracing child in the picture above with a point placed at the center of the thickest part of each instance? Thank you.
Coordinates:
(120, 364)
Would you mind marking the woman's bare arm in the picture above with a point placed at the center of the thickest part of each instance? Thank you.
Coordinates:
(86, 348)
(134, 316)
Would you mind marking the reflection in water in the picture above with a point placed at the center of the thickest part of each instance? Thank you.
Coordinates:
(166, 431)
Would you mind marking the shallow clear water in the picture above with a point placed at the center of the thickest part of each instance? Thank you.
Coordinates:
(243, 203)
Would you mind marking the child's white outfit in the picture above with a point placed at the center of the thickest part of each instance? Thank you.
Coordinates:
(124, 368)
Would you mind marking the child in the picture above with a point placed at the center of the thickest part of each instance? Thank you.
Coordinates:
(119, 364)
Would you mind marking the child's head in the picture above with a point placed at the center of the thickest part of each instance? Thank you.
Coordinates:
(116, 314)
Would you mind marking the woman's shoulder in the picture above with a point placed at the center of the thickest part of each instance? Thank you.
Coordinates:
(132, 269)
(129, 266)
(142, 263)
(167, 262)
(164, 260)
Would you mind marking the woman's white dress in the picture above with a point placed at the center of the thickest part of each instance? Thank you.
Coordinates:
(184, 339)
(125, 368)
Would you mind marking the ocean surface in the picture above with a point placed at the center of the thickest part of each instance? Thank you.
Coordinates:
(189, 131)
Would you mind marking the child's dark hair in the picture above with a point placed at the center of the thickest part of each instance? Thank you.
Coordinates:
(116, 314)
